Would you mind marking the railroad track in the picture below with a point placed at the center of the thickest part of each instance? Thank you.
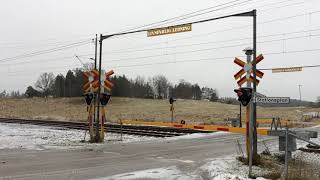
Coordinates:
(115, 128)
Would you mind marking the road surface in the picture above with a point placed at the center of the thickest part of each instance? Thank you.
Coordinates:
(112, 159)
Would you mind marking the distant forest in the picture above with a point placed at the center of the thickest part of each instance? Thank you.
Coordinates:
(156, 87)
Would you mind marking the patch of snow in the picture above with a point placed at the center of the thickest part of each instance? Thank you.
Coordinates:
(199, 135)
(311, 158)
(215, 169)
(229, 168)
(25, 136)
(169, 173)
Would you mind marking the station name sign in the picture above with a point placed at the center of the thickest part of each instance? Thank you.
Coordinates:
(290, 69)
(273, 100)
(169, 30)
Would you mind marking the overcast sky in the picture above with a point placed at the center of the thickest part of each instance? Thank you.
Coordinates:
(288, 35)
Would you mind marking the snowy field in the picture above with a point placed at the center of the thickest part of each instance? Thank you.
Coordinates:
(33, 137)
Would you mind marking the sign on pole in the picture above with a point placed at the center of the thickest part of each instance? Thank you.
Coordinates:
(169, 30)
(273, 100)
(247, 67)
(290, 69)
(91, 81)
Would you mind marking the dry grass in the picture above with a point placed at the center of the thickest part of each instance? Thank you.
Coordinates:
(271, 166)
(74, 109)
(300, 170)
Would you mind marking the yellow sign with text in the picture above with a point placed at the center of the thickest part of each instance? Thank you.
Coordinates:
(169, 30)
(290, 69)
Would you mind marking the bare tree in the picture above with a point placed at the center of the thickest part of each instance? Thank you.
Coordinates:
(160, 85)
(88, 66)
(45, 83)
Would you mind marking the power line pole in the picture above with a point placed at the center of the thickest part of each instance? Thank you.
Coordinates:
(300, 94)
(249, 120)
(254, 69)
(95, 52)
(95, 94)
(99, 92)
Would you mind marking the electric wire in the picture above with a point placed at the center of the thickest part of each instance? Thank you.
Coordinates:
(177, 17)
(183, 16)
(46, 51)
(210, 42)
(199, 50)
(207, 49)
(36, 53)
(208, 59)
(222, 30)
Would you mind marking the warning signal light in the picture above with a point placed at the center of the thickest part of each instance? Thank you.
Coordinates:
(244, 95)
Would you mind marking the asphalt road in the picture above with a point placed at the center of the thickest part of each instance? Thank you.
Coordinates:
(111, 159)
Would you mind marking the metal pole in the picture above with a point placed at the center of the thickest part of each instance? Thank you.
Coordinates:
(99, 89)
(254, 68)
(172, 113)
(249, 122)
(95, 67)
(300, 93)
(95, 52)
(286, 155)
(240, 117)
(121, 128)
(303, 139)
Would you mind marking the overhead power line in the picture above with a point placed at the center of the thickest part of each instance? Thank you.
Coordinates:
(213, 58)
(30, 55)
(137, 27)
(180, 16)
(186, 45)
(208, 10)
(53, 50)
(36, 53)
(210, 42)
(197, 60)
(207, 49)
(202, 13)
(218, 31)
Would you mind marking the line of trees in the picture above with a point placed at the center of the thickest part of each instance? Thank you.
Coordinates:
(155, 87)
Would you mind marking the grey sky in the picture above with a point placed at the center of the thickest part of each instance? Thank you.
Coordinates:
(33, 25)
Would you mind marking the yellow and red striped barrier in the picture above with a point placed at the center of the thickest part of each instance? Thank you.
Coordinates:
(270, 121)
(260, 131)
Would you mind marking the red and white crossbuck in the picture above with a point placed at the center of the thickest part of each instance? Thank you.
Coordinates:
(244, 74)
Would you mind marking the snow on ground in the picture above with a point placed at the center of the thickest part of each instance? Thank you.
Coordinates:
(169, 173)
(25, 136)
(199, 135)
(227, 168)
(230, 168)
(307, 157)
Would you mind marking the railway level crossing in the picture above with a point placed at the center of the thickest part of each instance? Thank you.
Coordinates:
(91, 87)
(151, 32)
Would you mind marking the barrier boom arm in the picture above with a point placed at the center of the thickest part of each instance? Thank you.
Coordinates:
(260, 131)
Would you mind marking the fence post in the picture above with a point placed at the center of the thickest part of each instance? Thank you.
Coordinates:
(286, 155)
